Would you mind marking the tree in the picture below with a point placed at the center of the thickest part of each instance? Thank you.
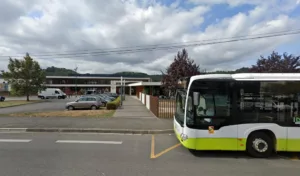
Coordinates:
(276, 63)
(242, 70)
(182, 66)
(25, 76)
(55, 71)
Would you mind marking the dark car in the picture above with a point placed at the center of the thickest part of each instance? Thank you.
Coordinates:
(115, 95)
(104, 100)
(2, 98)
(107, 97)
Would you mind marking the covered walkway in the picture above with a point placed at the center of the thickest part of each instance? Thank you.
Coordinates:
(133, 108)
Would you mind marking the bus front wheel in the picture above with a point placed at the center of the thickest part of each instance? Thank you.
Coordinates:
(260, 145)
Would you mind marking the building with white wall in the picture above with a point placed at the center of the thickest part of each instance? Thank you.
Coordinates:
(98, 82)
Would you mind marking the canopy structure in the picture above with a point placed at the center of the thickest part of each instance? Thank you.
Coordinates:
(146, 87)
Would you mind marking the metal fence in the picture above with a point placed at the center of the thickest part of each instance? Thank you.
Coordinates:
(166, 108)
(162, 107)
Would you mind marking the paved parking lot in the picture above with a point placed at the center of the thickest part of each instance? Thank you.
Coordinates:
(108, 154)
(48, 105)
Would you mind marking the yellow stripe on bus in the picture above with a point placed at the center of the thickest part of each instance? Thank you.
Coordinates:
(234, 144)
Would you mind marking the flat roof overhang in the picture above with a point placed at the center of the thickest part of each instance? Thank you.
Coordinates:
(145, 84)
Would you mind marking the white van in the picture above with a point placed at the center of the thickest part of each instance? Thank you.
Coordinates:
(52, 93)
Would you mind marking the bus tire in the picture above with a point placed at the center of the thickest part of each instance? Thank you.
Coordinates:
(260, 145)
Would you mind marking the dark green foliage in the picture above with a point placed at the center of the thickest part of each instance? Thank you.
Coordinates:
(113, 105)
(55, 71)
(276, 63)
(182, 66)
(25, 76)
(131, 74)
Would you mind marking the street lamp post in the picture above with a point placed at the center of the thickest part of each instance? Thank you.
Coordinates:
(124, 89)
(121, 91)
(76, 81)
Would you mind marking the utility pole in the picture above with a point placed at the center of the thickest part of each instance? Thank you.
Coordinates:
(124, 89)
(76, 80)
(121, 91)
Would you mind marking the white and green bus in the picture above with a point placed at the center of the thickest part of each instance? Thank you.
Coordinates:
(253, 112)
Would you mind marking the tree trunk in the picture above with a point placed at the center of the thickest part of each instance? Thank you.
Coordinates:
(27, 97)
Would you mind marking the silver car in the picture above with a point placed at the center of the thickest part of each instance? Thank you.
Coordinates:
(86, 102)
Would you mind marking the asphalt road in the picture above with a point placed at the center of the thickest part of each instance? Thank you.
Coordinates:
(46, 154)
(22, 98)
(48, 105)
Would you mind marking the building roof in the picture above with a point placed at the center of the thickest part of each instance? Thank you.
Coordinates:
(145, 84)
(109, 75)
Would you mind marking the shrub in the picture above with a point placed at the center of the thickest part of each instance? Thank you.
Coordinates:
(113, 104)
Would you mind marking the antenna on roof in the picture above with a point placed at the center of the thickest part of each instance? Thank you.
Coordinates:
(76, 68)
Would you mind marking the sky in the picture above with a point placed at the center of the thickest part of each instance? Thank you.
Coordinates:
(76, 33)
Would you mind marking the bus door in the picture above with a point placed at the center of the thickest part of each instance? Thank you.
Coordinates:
(293, 129)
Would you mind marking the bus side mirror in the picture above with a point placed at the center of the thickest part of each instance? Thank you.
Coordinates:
(196, 98)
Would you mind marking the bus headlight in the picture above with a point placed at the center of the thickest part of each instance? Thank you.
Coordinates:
(183, 137)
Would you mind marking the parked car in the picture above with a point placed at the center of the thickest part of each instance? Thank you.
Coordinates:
(2, 98)
(52, 93)
(115, 95)
(107, 97)
(103, 99)
(85, 102)
(90, 92)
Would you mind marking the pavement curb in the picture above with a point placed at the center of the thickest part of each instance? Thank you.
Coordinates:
(87, 130)
(13, 129)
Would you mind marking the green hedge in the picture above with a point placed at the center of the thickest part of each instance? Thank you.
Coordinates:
(113, 104)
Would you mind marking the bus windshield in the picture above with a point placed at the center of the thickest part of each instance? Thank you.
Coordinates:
(213, 106)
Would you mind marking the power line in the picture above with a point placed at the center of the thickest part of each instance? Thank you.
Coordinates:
(139, 46)
(128, 51)
(177, 46)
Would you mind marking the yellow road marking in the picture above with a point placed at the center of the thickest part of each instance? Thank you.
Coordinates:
(152, 147)
(167, 150)
(153, 156)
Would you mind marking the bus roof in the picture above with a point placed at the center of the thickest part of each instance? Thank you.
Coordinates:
(251, 77)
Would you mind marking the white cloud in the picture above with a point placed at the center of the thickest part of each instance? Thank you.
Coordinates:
(76, 25)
